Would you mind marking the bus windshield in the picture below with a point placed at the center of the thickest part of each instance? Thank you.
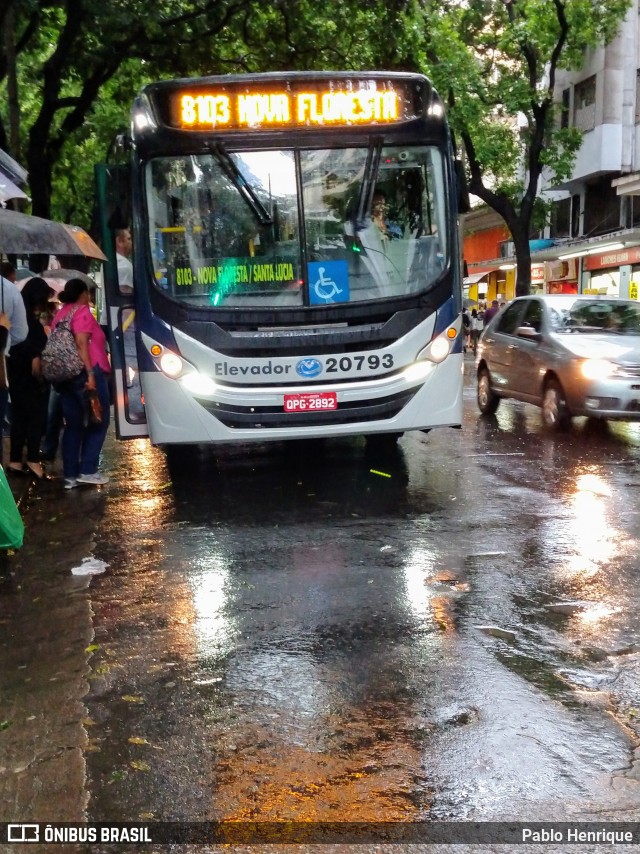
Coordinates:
(285, 228)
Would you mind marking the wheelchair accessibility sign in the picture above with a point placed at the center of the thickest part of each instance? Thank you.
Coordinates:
(328, 282)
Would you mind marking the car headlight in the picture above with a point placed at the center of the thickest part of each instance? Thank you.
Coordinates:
(597, 369)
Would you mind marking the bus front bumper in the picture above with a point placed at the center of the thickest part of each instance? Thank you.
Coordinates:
(403, 401)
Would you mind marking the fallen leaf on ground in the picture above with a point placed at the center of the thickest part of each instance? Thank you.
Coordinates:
(497, 632)
(567, 608)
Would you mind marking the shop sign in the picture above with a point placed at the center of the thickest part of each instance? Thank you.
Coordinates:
(612, 259)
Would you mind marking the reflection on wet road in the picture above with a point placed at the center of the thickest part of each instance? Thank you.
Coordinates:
(311, 632)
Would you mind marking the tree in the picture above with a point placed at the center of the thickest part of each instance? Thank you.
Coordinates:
(78, 64)
(495, 62)
(67, 52)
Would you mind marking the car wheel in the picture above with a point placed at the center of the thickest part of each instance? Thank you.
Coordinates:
(488, 400)
(555, 412)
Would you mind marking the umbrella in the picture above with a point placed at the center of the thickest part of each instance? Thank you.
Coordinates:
(57, 282)
(65, 275)
(22, 234)
(12, 170)
(469, 303)
(13, 179)
(9, 190)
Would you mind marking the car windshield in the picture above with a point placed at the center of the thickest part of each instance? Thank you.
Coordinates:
(585, 316)
(282, 228)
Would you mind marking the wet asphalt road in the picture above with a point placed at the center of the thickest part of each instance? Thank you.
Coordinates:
(316, 632)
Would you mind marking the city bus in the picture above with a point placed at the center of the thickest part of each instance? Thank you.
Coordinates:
(295, 260)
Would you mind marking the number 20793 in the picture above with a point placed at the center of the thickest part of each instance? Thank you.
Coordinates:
(359, 363)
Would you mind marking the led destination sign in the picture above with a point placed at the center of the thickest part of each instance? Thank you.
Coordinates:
(206, 109)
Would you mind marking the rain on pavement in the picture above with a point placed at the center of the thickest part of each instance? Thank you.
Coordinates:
(312, 631)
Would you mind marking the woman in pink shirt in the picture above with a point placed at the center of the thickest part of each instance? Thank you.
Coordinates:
(82, 441)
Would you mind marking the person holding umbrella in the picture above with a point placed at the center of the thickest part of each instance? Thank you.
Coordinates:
(28, 390)
(13, 317)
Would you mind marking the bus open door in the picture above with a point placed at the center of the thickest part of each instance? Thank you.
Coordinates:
(118, 312)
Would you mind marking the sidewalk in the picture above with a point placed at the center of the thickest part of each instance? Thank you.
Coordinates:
(45, 614)
(20, 486)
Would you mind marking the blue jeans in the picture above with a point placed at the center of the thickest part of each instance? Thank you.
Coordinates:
(82, 441)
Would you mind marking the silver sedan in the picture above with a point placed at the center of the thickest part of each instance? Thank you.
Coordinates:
(570, 355)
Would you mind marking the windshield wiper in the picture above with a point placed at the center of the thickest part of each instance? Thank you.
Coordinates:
(365, 196)
(238, 180)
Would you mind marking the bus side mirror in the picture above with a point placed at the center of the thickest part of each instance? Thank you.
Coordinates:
(464, 204)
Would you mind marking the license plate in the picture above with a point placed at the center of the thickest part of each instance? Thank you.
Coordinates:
(319, 401)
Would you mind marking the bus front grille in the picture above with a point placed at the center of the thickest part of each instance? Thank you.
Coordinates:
(257, 417)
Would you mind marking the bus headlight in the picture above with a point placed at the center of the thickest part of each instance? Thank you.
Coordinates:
(198, 384)
(439, 349)
(171, 364)
(418, 371)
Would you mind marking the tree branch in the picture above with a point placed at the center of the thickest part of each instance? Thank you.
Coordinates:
(560, 43)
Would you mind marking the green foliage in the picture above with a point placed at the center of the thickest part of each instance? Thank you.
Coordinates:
(494, 62)
(560, 156)
(80, 65)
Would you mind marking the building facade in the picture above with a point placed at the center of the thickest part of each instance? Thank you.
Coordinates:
(592, 244)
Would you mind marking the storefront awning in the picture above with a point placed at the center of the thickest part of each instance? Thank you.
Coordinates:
(475, 278)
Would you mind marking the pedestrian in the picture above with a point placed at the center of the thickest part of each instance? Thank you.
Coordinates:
(492, 311)
(124, 246)
(29, 391)
(466, 330)
(477, 326)
(82, 440)
(8, 271)
(13, 316)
